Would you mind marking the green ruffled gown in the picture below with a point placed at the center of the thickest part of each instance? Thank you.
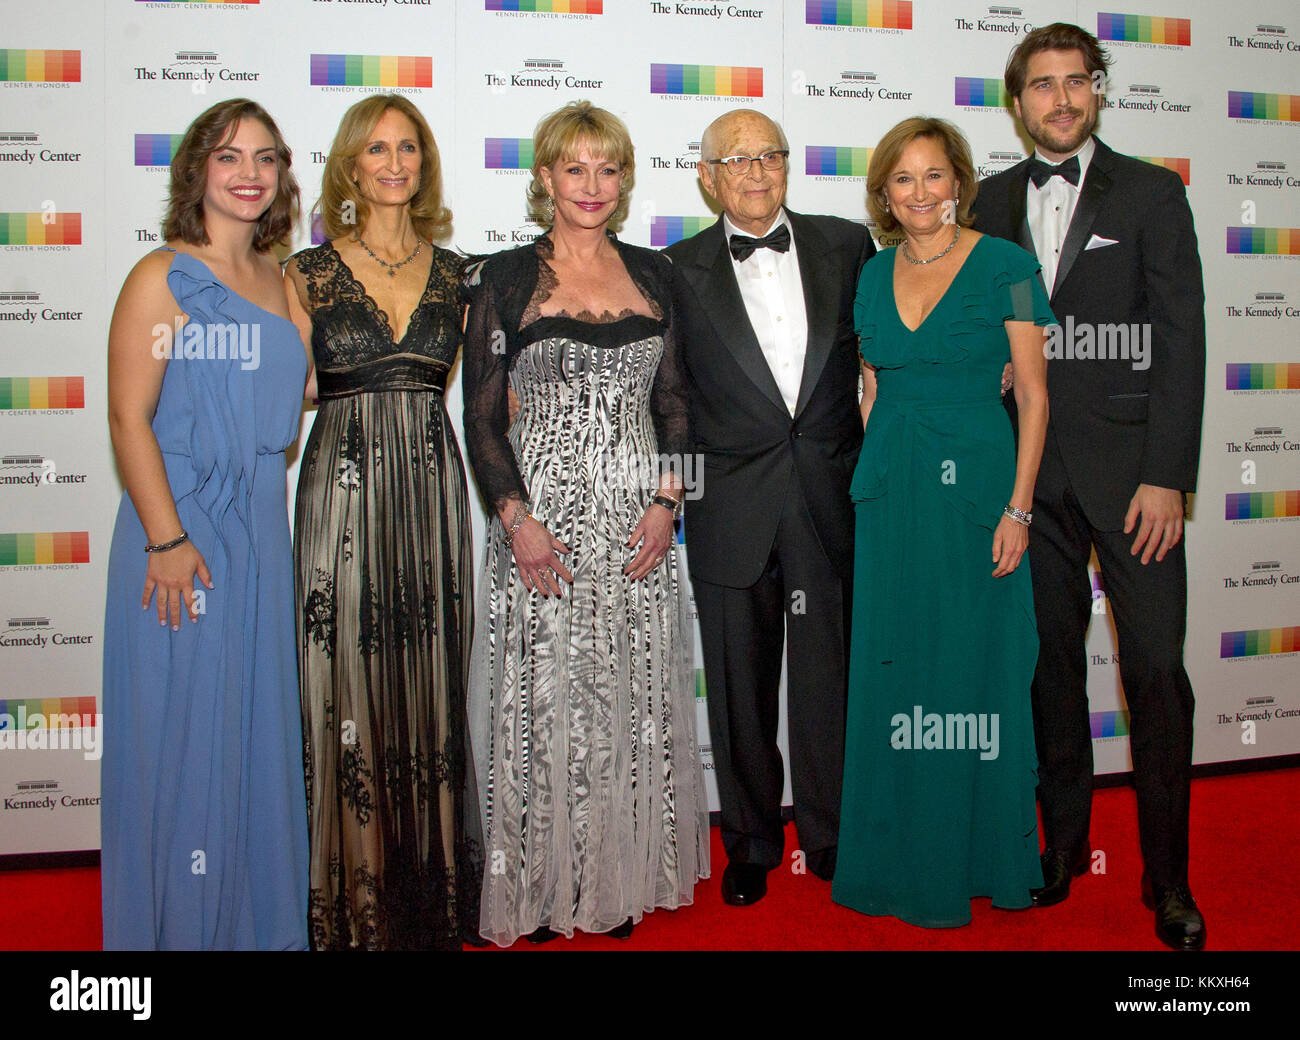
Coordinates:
(937, 813)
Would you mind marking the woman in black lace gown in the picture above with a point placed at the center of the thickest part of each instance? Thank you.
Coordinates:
(382, 551)
(582, 689)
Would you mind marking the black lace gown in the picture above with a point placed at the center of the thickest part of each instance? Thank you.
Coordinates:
(384, 585)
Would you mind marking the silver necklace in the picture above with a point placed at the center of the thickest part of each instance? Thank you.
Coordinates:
(907, 253)
(392, 268)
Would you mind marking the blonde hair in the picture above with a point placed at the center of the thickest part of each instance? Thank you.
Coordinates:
(890, 149)
(339, 193)
(562, 135)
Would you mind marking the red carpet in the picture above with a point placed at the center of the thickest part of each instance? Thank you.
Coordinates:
(1245, 855)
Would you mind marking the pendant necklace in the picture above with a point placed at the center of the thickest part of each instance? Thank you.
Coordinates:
(392, 268)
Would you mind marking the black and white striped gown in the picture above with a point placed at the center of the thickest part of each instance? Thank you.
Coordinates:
(582, 709)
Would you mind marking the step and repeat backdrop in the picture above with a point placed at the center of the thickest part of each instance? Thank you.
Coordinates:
(94, 95)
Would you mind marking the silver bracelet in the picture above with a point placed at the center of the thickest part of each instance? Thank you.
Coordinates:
(164, 546)
(517, 519)
(1018, 515)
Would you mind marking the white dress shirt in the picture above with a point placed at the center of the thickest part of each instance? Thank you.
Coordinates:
(1050, 209)
(772, 291)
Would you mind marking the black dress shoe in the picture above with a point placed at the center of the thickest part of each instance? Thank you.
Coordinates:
(1058, 867)
(1179, 924)
(822, 864)
(743, 884)
(623, 931)
(541, 935)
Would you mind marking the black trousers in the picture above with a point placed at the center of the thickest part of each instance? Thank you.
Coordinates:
(1149, 605)
(803, 596)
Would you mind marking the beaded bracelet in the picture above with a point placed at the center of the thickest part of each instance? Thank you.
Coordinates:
(1018, 515)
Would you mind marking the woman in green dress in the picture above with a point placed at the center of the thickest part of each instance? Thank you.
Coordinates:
(939, 775)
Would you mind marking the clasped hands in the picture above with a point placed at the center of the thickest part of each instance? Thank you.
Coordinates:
(539, 554)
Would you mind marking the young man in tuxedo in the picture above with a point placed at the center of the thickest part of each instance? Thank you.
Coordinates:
(765, 313)
(1115, 239)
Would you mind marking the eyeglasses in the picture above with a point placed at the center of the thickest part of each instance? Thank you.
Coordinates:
(739, 165)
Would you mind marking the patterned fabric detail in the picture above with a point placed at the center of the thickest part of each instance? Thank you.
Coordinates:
(582, 706)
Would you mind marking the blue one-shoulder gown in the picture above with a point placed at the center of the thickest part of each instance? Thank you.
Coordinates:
(204, 822)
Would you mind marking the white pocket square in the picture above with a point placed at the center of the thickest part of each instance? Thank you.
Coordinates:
(1097, 242)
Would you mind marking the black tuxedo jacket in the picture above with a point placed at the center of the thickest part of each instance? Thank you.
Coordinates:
(753, 453)
(1117, 425)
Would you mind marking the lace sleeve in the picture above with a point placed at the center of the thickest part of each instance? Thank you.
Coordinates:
(486, 417)
(669, 405)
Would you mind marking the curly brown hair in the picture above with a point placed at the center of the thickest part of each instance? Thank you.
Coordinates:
(340, 198)
(212, 130)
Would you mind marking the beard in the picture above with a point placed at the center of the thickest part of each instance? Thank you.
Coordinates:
(1053, 140)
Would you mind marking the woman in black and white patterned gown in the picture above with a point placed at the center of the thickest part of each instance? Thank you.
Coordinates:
(582, 711)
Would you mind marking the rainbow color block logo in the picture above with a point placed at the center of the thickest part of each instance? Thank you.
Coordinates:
(507, 153)
(1108, 724)
(1282, 375)
(664, 231)
(37, 547)
(39, 66)
(371, 70)
(701, 688)
(546, 6)
(1144, 28)
(1244, 104)
(40, 229)
(1261, 505)
(52, 712)
(317, 229)
(710, 80)
(156, 149)
(1264, 241)
(1256, 642)
(834, 161)
(873, 14)
(1182, 167)
(980, 93)
(42, 392)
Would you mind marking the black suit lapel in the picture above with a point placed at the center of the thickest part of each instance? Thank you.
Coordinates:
(1095, 185)
(821, 300)
(720, 296)
(1017, 209)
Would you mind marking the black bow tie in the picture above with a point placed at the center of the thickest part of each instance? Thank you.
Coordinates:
(1040, 172)
(742, 246)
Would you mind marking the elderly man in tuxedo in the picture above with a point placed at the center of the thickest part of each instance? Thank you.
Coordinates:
(765, 311)
(1118, 250)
